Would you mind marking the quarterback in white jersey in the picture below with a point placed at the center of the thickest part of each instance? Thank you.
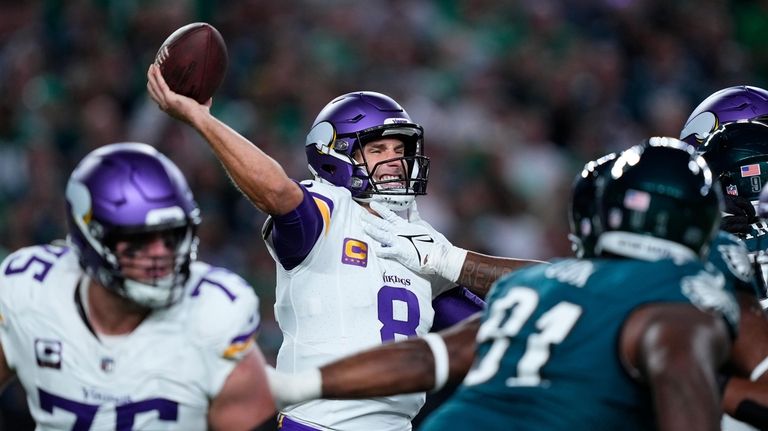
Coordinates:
(335, 295)
(341, 299)
(122, 329)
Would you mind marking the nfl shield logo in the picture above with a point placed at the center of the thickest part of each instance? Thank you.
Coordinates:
(732, 190)
(107, 365)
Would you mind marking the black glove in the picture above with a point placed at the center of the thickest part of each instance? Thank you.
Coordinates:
(742, 215)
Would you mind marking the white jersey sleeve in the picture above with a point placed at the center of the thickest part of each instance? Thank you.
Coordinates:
(20, 274)
(224, 321)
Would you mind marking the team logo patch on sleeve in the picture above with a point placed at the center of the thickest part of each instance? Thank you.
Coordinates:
(355, 252)
(706, 291)
(736, 259)
(48, 353)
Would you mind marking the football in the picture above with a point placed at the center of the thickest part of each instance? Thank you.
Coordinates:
(193, 60)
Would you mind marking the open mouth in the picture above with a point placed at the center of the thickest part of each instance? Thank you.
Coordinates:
(389, 182)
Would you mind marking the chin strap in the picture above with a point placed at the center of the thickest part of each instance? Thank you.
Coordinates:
(395, 203)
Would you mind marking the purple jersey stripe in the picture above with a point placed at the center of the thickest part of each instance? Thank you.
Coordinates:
(322, 199)
(454, 306)
(244, 337)
(284, 423)
(295, 233)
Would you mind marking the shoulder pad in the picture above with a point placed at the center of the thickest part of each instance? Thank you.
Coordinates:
(24, 274)
(730, 255)
(224, 310)
(706, 290)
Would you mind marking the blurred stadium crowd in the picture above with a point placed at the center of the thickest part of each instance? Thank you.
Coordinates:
(514, 96)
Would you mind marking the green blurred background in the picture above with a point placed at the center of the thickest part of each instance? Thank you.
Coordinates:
(514, 96)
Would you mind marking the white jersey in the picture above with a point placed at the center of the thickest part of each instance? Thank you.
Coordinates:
(161, 376)
(730, 424)
(342, 299)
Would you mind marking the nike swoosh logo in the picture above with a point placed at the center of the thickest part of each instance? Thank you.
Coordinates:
(421, 238)
(418, 238)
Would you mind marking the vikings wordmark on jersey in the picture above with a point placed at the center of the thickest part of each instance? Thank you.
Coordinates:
(342, 299)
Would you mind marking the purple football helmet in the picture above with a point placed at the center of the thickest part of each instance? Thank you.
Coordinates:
(122, 191)
(728, 105)
(349, 122)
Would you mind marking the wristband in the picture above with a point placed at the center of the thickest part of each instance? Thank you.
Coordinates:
(759, 370)
(440, 353)
(448, 262)
(290, 389)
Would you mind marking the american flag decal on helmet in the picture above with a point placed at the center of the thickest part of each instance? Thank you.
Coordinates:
(750, 170)
(637, 200)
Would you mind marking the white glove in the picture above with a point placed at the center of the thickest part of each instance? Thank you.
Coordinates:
(413, 242)
(288, 389)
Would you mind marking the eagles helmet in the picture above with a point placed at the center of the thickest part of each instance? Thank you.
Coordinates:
(349, 122)
(741, 102)
(583, 209)
(659, 201)
(122, 191)
(737, 154)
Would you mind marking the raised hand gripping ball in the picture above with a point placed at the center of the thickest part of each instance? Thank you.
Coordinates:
(193, 61)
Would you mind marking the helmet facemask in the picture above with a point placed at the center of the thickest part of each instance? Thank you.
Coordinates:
(347, 159)
(409, 179)
(145, 278)
(347, 125)
(120, 198)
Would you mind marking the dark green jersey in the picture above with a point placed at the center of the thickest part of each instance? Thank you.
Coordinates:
(547, 355)
(757, 244)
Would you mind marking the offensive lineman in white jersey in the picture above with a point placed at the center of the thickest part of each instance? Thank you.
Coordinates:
(335, 295)
(122, 329)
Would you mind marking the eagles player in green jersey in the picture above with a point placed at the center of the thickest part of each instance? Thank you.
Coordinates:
(628, 340)
(737, 153)
(743, 396)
